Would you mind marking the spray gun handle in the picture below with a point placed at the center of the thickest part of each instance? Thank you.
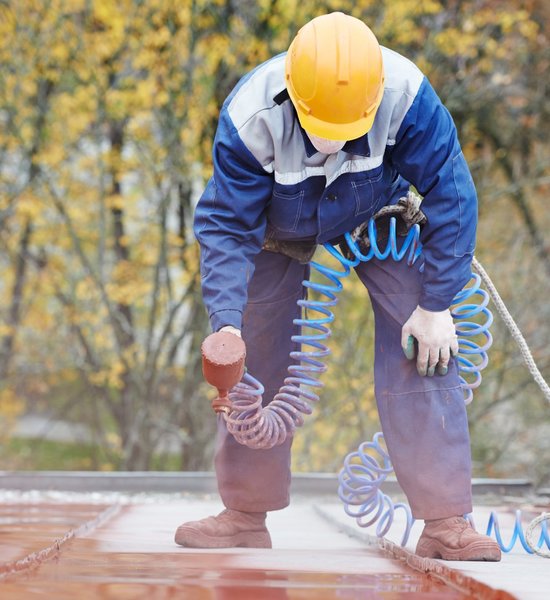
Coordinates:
(223, 358)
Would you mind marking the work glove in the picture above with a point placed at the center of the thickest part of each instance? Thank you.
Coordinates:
(435, 337)
(231, 329)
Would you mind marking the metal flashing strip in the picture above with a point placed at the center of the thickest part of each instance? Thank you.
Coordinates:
(437, 569)
(205, 482)
(35, 559)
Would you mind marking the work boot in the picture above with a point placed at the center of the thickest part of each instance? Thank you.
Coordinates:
(229, 529)
(454, 538)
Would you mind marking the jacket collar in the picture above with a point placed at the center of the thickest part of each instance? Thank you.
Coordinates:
(359, 146)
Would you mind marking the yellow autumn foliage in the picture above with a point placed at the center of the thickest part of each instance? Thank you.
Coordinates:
(107, 115)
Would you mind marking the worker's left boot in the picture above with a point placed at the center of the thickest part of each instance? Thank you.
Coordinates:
(454, 538)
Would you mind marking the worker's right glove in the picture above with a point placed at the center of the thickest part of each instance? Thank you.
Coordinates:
(436, 337)
(231, 329)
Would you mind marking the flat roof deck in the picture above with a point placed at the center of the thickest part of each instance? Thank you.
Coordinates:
(119, 545)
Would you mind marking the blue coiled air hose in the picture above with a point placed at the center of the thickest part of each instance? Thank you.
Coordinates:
(362, 474)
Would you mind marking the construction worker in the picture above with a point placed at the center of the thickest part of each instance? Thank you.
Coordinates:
(309, 145)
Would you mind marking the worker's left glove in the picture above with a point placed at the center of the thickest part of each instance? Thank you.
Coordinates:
(436, 338)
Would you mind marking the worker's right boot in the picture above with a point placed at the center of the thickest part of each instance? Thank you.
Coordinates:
(229, 529)
(454, 538)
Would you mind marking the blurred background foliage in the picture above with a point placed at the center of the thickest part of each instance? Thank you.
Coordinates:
(107, 113)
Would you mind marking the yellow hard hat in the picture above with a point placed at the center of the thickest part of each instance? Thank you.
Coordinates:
(335, 76)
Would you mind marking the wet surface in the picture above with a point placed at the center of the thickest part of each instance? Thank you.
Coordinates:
(132, 556)
(135, 576)
(27, 529)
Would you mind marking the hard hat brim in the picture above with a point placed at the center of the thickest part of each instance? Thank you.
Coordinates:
(336, 131)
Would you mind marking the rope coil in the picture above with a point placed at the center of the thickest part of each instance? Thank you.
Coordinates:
(535, 547)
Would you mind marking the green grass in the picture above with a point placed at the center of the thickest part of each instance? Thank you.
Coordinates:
(23, 454)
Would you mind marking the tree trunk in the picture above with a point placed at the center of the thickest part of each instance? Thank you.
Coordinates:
(14, 315)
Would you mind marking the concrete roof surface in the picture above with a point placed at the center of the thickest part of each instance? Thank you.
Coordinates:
(120, 546)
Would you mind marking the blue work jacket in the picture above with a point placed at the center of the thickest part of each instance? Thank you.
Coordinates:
(269, 181)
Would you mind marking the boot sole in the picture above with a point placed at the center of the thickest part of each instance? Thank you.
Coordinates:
(476, 551)
(191, 538)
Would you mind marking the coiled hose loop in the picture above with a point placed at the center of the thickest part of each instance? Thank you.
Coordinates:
(518, 533)
(472, 356)
(362, 476)
(261, 427)
(411, 243)
(360, 480)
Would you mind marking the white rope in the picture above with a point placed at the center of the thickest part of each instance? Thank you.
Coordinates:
(513, 328)
(530, 535)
